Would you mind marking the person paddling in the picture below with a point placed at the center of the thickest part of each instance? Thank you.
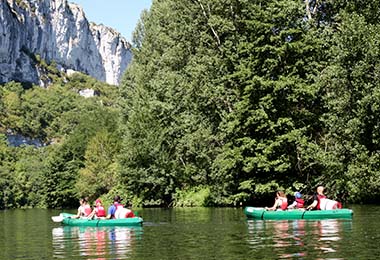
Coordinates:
(280, 203)
(99, 212)
(84, 209)
(298, 202)
(321, 202)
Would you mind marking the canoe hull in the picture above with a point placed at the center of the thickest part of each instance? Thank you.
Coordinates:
(136, 221)
(260, 213)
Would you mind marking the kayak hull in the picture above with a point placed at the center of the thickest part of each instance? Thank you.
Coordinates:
(261, 213)
(135, 221)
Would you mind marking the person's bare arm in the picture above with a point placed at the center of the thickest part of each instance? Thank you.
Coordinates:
(312, 205)
(92, 214)
(77, 215)
(274, 206)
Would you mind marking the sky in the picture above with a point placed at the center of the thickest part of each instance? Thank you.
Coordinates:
(121, 15)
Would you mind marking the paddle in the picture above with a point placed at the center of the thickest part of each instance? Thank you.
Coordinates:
(60, 218)
(57, 219)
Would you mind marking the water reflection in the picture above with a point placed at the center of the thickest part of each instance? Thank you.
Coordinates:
(298, 239)
(95, 242)
(328, 233)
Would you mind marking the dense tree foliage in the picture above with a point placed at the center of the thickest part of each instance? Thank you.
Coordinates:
(274, 120)
(235, 97)
(243, 90)
(224, 103)
(172, 104)
(71, 127)
(351, 91)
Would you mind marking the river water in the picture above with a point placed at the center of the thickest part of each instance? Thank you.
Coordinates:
(191, 233)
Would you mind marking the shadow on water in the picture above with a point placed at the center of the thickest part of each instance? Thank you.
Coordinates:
(95, 242)
(297, 239)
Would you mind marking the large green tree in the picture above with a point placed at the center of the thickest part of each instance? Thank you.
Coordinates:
(274, 122)
(68, 157)
(352, 85)
(221, 93)
(100, 172)
(173, 91)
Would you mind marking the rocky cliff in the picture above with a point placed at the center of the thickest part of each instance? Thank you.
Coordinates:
(57, 31)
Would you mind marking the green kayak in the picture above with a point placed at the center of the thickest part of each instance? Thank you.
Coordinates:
(65, 219)
(261, 213)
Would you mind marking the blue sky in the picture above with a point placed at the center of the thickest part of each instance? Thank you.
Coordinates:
(122, 15)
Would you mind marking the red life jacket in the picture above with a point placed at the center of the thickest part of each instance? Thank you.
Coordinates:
(100, 211)
(300, 203)
(119, 206)
(87, 210)
(130, 214)
(284, 203)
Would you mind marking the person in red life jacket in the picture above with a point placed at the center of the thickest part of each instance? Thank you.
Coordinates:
(84, 209)
(317, 199)
(298, 201)
(99, 211)
(280, 203)
(321, 202)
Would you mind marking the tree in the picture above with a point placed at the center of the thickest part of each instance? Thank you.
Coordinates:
(274, 120)
(27, 176)
(101, 172)
(7, 159)
(11, 112)
(351, 83)
(236, 104)
(170, 101)
(68, 157)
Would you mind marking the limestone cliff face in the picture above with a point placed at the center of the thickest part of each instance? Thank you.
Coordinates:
(58, 31)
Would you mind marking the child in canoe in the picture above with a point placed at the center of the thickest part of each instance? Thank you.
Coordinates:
(298, 202)
(84, 209)
(99, 212)
(280, 202)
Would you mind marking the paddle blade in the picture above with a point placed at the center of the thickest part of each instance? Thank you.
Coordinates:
(57, 218)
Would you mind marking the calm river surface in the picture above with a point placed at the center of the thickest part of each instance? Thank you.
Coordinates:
(194, 233)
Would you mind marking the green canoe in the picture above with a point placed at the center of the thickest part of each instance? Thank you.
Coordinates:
(65, 219)
(261, 213)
